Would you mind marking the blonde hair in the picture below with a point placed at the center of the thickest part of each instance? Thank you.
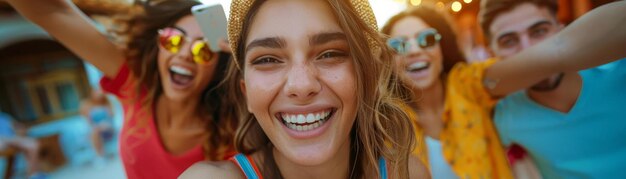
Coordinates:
(382, 128)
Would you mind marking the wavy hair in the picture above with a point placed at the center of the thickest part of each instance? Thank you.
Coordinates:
(142, 53)
(381, 129)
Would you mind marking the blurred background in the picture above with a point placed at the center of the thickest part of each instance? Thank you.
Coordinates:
(43, 85)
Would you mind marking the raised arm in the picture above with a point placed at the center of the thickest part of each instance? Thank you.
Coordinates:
(65, 22)
(596, 38)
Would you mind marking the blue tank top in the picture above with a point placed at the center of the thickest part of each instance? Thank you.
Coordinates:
(252, 172)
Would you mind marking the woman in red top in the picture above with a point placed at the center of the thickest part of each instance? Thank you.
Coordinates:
(168, 87)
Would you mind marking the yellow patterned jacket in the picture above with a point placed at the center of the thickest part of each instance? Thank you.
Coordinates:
(469, 140)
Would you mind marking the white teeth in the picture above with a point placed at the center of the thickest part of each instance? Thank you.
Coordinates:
(293, 119)
(301, 119)
(304, 122)
(310, 118)
(180, 70)
(417, 65)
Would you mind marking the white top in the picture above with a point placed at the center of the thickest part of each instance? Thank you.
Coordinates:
(439, 168)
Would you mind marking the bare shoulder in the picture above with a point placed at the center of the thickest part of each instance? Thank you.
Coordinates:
(212, 169)
(417, 169)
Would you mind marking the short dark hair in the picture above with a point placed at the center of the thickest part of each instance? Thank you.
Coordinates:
(490, 9)
(450, 48)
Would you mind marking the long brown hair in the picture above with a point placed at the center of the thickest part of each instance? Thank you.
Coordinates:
(382, 128)
(450, 48)
(142, 52)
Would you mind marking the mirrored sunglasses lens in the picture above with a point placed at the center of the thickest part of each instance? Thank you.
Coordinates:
(428, 40)
(171, 39)
(201, 52)
(397, 45)
(171, 43)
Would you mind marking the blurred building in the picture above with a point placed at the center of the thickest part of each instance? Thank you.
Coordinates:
(42, 84)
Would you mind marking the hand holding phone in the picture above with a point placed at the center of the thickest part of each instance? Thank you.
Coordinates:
(212, 21)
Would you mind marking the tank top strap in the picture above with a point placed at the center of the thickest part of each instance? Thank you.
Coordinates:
(246, 164)
(382, 167)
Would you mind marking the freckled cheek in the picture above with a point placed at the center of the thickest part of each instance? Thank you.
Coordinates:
(342, 81)
(260, 93)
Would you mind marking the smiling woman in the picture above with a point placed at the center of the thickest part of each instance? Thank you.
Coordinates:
(167, 81)
(319, 99)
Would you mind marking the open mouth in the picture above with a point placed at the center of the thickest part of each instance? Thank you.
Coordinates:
(418, 66)
(181, 76)
(306, 122)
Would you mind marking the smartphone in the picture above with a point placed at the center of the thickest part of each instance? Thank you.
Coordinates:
(212, 21)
